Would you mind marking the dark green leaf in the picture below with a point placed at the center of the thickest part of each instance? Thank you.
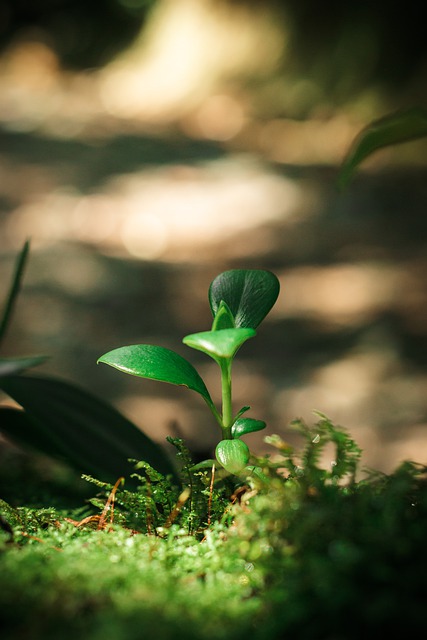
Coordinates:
(156, 363)
(394, 129)
(11, 366)
(250, 294)
(14, 289)
(242, 426)
(71, 424)
(219, 344)
(26, 432)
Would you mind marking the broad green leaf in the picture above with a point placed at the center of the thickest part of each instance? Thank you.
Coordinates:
(11, 366)
(14, 289)
(156, 363)
(249, 294)
(233, 455)
(219, 344)
(393, 129)
(223, 318)
(65, 421)
(242, 426)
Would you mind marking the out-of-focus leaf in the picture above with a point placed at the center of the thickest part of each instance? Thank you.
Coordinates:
(75, 426)
(249, 294)
(26, 432)
(156, 363)
(393, 129)
(219, 344)
(11, 366)
(14, 289)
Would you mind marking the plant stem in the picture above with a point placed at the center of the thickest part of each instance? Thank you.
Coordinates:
(227, 409)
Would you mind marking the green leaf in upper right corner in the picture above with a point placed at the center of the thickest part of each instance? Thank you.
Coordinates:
(393, 129)
(248, 293)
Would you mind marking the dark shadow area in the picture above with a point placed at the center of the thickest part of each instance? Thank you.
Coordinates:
(85, 165)
(83, 34)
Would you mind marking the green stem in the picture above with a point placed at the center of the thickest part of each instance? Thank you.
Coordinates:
(227, 409)
(215, 411)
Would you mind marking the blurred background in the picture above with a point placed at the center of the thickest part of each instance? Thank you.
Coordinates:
(148, 145)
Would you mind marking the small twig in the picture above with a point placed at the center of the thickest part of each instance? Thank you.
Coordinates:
(211, 494)
(182, 499)
(110, 502)
(27, 535)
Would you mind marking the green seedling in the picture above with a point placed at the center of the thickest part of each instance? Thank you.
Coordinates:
(239, 300)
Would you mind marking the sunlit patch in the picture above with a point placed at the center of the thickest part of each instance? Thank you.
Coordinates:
(187, 50)
(144, 235)
(94, 218)
(219, 117)
(340, 294)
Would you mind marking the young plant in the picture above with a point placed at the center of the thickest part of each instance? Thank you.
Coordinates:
(239, 300)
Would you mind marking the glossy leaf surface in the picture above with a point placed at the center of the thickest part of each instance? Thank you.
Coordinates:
(219, 344)
(156, 363)
(250, 294)
(233, 455)
(65, 421)
(242, 426)
(394, 129)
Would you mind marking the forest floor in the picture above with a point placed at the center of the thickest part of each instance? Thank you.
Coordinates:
(130, 221)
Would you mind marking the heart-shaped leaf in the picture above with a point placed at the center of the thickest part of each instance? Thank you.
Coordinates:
(219, 344)
(242, 426)
(156, 363)
(233, 455)
(249, 294)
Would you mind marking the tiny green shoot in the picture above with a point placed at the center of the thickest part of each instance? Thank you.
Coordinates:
(239, 300)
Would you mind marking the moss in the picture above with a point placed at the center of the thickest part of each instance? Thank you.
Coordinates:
(295, 551)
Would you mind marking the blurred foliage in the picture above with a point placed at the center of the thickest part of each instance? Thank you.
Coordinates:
(391, 130)
(357, 40)
(83, 34)
(342, 44)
